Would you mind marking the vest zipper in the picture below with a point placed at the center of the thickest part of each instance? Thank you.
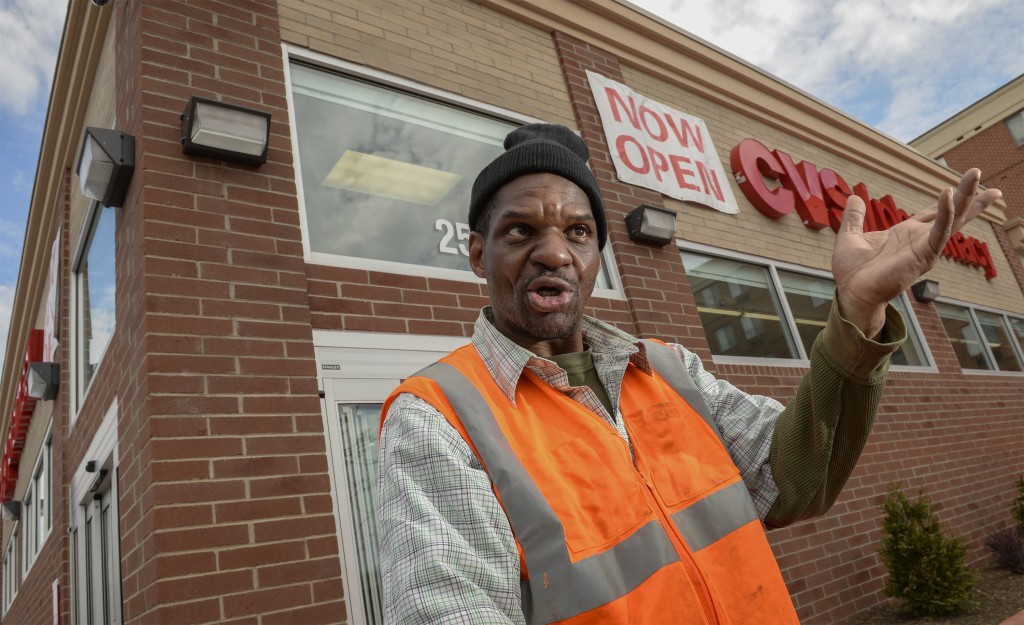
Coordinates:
(692, 571)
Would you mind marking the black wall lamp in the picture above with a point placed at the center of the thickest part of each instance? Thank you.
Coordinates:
(105, 165)
(11, 510)
(651, 225)
(43, 380)
(925, 290)
(226, 132)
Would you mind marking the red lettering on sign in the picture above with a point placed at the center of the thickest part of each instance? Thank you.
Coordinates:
(710, 179)
(620, 146)
(751, 164)
(646, 114)
(803, 181)
(682, 130)
(17, 431)
(681, 173)
(819, 197)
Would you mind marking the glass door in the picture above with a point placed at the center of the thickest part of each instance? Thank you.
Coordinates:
(353, 407)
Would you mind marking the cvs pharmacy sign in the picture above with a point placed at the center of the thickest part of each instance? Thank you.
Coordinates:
(819, 196)
(659, 148)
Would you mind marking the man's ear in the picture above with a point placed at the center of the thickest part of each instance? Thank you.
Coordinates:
(476, 254)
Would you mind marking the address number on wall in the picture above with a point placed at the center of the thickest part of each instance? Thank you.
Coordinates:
(450, 233)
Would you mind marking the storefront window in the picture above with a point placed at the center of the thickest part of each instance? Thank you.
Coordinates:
(739, 308)
(1000, 343)
(742, 315)
(810, 300)
(386, 175)
(94, 285)
(12, 572)
(911, 353)
(1017, 328)
(964, 335)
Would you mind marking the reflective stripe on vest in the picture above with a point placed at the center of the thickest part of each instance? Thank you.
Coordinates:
(666, 362)
(583, 585)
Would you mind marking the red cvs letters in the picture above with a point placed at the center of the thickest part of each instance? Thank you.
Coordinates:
(819, 197)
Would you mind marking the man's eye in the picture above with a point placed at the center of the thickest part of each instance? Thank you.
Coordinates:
(517, 231)
(579, 232)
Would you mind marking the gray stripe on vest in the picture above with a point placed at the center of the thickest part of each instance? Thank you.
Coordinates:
(537, 527)
(666, 362)
(599, 579)
(557, 589)
(715, 515)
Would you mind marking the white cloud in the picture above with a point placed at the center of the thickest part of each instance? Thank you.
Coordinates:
(900, 65)
(30, 32)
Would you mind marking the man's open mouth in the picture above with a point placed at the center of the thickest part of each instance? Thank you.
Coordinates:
(547, 295)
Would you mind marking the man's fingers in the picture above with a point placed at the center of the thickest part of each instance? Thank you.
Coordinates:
(982, 201)
(942, 227)
(853, 216)
(963, 197)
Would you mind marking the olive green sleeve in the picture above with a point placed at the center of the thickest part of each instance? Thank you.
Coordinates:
(819, 436)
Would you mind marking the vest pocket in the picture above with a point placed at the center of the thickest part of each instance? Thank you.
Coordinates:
(685, 458)
(593, 489)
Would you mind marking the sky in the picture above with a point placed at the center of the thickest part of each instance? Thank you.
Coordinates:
(901, 66)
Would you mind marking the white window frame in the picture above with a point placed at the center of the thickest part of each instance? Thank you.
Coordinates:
(92, 485)
(37, 504)
(1017, 119)
(12, 570)
(790, 323)
(79, 389)
(1014, 343)
(330, 64)
(363, 367)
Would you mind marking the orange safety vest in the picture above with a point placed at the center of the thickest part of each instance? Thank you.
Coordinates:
(665, 535)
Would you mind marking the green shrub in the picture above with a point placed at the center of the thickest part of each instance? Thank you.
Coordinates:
(926, 569)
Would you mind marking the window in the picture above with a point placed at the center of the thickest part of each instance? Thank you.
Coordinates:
(386, 176)
(95, 554)
(753, 310)
(739, 308)
(93, 284)
(1015, 124)
(983, 339)
(12, 572)
(37, 509)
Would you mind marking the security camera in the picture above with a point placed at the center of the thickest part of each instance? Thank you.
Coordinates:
(100, 3)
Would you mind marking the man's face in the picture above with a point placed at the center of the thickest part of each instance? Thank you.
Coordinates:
(540, 259)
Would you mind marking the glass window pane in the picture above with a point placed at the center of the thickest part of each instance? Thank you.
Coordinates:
(911, 353)
(1015, 124)
(96, 283)
(359, 424)
(1017, 327)
(739, 309)
(964, 335)
(999, 341)
(386, 175)
(810, 300)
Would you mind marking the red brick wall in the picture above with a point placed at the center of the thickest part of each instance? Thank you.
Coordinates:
(1000, 159)
(224, 492)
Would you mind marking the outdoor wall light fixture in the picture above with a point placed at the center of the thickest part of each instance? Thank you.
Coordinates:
(225, 131)
(43, 380)
(651, 225)
(105, 165)
(11, 510)
(925, 290)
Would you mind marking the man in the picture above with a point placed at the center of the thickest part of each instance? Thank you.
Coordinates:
(559, 470)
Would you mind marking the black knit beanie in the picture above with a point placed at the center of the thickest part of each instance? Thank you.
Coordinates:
(540, 148)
